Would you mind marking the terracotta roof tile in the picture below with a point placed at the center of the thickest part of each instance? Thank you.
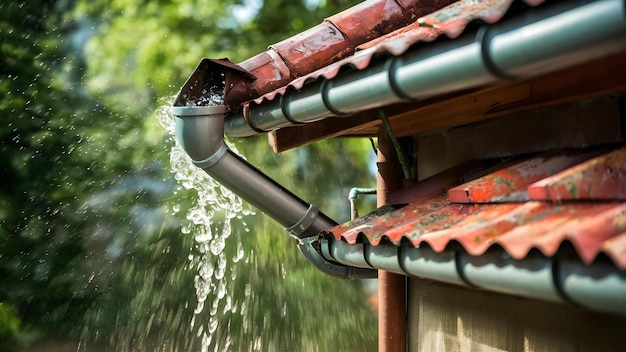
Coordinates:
(352, 38)
(592, 226)
(334, 39)
(511, 183)
(598, 178)
(615, 248)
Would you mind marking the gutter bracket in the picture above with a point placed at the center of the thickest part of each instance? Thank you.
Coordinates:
(402, 158)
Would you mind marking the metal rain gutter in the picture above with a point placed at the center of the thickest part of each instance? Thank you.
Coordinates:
(546, 40)
(600, 286)
(200, 131)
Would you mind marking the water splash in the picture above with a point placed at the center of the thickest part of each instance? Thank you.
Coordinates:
(210, 222)
(209, 97)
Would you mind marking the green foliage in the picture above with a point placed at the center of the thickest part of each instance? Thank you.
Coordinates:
(40, 232)
(280, 17)
(9, 326)
(90, 247)
(75, 212)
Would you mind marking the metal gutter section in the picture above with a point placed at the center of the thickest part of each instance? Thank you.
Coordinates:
(599, 286)
(496, 271)
(351, 255)
(200, 131)
(383, 257)
(583, 285)
(547, 40)
(425, 263)
(335, 38)
(311, 249)
(524, 45)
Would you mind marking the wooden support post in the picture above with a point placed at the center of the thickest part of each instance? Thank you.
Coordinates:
(391, 287)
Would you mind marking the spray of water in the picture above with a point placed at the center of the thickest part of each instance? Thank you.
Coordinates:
(210, 221)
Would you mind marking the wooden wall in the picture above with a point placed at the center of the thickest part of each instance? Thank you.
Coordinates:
(580, 124)
(444, 317)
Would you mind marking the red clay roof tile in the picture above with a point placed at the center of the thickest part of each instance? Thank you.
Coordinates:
(592, 227)
(332, 40)
(615, 248)
(352, 37)
(510, 184)
(603, 177)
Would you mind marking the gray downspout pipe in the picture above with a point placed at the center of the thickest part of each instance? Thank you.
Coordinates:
(200, 131)
(545, 40)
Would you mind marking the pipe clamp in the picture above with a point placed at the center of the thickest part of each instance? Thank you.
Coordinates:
(304, 223)
(213, 159)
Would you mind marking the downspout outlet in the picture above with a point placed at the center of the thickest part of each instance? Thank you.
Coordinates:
(200, 132)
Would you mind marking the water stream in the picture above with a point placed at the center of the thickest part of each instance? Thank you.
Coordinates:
(210, 221)
(266, 299)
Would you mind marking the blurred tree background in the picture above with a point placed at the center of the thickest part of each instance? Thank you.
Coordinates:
(97, 251)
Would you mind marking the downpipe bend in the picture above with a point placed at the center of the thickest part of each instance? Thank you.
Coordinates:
(200, 132)
(310, 248)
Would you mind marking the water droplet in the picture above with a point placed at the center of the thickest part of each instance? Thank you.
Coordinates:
(228, 306)
(217, 245)
(239, 254)
(205, 271)
(212, 325)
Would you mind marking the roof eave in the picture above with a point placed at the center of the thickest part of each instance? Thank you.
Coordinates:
(501, 54)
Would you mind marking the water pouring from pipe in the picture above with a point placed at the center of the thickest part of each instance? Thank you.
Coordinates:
(200, 131)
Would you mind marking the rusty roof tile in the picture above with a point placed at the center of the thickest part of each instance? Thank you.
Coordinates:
(550, 229)
(432, 188)
(615, 248)
(334, 39)
(510, 183)
(423, 25)
(351, 231)
(454, 218)
(593, 226)
(603, 177)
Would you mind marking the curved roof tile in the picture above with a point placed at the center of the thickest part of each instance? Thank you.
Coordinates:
(334, 39)
(394, 36)
(592, 224)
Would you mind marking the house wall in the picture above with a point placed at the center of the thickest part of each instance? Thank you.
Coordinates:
(579, 124)
(444, 317)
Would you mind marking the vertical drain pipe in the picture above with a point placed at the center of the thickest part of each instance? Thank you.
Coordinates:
(391, 287)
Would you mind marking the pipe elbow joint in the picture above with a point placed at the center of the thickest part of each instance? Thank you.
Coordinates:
(311, 251)
(200, 131)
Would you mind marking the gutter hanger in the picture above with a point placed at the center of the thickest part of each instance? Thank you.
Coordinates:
(545, 40)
